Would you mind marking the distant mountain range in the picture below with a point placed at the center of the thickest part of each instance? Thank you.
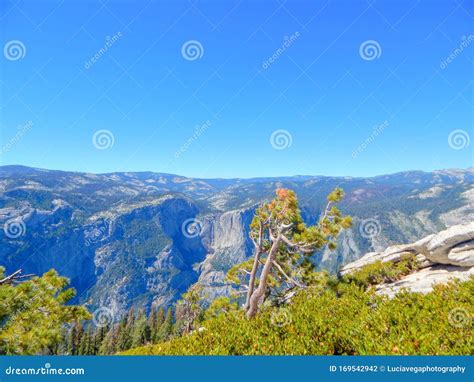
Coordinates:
(140, 238)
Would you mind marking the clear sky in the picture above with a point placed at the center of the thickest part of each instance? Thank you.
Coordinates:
(237, 88)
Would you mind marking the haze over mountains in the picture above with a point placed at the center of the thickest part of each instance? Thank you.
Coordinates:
(141, 238)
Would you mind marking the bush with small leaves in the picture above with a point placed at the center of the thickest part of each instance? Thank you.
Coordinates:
(339, 319)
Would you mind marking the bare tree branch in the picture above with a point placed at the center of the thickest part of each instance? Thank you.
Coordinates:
(291, 280)
(14, 277)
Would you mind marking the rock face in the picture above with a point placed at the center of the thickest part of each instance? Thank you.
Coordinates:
(228, 243)
(423, 280)
(453, 246)
(444, 256)
(119, 237)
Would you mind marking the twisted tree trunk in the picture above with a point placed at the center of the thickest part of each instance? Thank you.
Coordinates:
(253, 273)
(253, 276)
(257, 295)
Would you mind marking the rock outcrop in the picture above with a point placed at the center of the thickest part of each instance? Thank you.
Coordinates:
(423, 280)
(119, 237)
(227, 242)
(441, 257)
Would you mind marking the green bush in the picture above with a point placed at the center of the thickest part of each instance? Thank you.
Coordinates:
(345, 319)
(378, 272)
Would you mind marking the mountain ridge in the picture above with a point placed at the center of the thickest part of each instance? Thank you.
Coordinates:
(469, 169)
(121, 237)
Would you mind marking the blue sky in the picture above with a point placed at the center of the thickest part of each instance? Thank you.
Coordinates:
(148, 104)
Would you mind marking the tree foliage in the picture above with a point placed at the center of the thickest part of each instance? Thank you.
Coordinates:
(33, 312)
(284, 245)
(343, 318)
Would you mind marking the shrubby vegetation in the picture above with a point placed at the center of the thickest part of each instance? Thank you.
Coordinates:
(379, 272)
(281, 305)
(331, 317)
(338, 318)
(292, 309)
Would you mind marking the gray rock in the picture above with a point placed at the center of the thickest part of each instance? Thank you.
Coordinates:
(442, 257)
(453, 246)
(119, 237)
(440, 246)
(424, 280)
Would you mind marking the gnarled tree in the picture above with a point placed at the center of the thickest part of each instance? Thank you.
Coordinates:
(284, 245)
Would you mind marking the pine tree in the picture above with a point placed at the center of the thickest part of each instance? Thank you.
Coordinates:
(141, 330)
(33, 313)
(77, 333)
(284, 245)
(99, 336)
(89, 348)
(156, 328)
(123, 335)
(84, 346)
(152, 322)
(109, 344)
(166, 329)
(189, 310)
(125, 330)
